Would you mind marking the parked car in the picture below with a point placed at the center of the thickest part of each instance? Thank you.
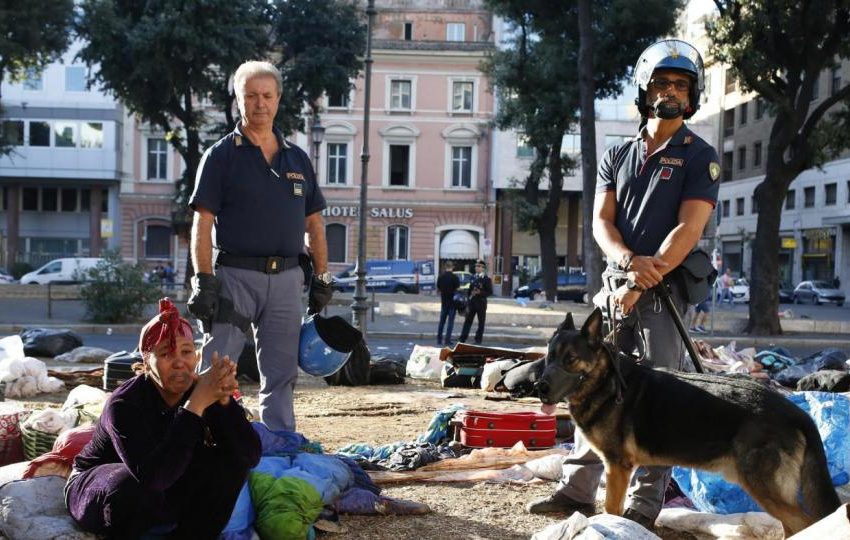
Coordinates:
(786, 296)
(570, 287)
(5, 277)
(740, 290)
(66, 270)
(818, 292)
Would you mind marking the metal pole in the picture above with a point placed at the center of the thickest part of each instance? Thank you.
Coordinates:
(358, 307)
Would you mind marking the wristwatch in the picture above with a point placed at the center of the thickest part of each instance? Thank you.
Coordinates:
(326, 278)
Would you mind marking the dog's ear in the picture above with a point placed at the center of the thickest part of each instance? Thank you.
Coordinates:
(592, 329)
(568, 323)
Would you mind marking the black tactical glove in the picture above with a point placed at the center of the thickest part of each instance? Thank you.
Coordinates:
(320, 295)
(203, 302)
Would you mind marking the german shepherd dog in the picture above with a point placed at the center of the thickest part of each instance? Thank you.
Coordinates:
(634, 415)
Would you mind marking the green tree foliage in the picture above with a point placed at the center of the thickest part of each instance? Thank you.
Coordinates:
(536, 80)
(33, 33)
(161, 57)
(116, 291)
(779, 49)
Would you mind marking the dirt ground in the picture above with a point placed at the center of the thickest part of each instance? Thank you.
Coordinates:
(337, 416)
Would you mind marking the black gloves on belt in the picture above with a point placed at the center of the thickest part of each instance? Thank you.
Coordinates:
(320, 296)
(203, 302)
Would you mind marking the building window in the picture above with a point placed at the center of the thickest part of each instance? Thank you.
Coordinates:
(835, 80)
(742, 114)
(742, 158)
(400, 95)
(462, 166)
(523, 146)
(757, 154)
(754, 205)
(809, 197)
(830, 192)
(104, 201)
(730, 81)
(64, 134)
(739, 206)
(157, 242)
(848, 192)
(724, 208)
(12, 133)
(29, 199)
(49, 199)
(397, 242)
(33, 80)
(455, 32)
(399, 165)
(727, 166)
(91, 135)
(462, 96)
(157, 159)
(69, 200)
(337, 163)
(571, 144)
(335, 236)
(791, 199)
(408, 31)
(816, 87)
(39, 134)
(338, 100)
(760, 105)
(728, 122)
(75, 79)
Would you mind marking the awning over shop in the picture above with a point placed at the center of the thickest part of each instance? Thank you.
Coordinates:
(459, 244)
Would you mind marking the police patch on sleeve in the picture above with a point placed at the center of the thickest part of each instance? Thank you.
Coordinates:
(714, 171)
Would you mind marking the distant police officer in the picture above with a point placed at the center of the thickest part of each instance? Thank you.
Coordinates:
(654, 195)
(479, 289)
(260, 192)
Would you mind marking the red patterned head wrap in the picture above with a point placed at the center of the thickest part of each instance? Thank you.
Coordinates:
(167, 325)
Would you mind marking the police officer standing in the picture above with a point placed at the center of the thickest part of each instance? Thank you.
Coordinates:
(447, 284)
(260, 194)
(654, 196)
(479, 289)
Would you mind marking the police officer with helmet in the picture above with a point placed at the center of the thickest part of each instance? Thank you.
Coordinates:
(255, 197)
(654, 195)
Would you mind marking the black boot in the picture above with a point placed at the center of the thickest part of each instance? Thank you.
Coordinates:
(558, 502)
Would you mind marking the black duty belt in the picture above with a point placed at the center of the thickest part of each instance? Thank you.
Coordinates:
(268, 265)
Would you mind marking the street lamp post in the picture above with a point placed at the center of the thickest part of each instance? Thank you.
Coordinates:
(358, 306)
(317, 134)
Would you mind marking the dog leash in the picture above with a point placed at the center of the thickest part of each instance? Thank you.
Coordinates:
(614, 351)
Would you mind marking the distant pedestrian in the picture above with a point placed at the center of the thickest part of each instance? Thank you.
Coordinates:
(447, 284)
(479, 289)
(168, 274)
(702, 311)
(836, 283)
(726, 281)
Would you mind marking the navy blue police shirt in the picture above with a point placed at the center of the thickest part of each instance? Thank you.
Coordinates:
(260, 209)
(650, 190)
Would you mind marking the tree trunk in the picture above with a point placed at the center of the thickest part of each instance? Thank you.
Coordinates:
(548, 222)
(591, 256)
(764, 270)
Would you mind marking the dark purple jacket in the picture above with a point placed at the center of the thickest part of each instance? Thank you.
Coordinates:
(157, 442)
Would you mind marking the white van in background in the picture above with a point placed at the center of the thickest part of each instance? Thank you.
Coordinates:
(61, 271)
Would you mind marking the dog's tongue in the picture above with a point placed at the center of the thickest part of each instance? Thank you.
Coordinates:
(546, 408)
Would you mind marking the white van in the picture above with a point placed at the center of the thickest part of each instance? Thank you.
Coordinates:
(61, 271)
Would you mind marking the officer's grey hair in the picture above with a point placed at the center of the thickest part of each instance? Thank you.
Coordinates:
(249, 70)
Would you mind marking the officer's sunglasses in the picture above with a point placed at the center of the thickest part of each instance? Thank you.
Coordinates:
(663, 84)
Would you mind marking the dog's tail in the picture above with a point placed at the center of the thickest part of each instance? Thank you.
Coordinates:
(819, 497)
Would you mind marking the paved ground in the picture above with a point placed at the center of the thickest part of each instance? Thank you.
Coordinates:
(401, 321)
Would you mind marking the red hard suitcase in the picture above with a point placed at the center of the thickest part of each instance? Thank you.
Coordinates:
(481, 429)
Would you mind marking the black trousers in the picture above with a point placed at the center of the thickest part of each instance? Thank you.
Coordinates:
(477, 307)
(108, 500)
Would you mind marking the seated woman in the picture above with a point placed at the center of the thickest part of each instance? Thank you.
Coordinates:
(172, 448)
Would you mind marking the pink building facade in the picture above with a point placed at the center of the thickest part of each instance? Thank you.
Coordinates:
(429, 189)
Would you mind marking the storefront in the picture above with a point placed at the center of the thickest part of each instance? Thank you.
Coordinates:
(819, 254)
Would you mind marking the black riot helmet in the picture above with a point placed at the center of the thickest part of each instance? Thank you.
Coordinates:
(673, 54)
